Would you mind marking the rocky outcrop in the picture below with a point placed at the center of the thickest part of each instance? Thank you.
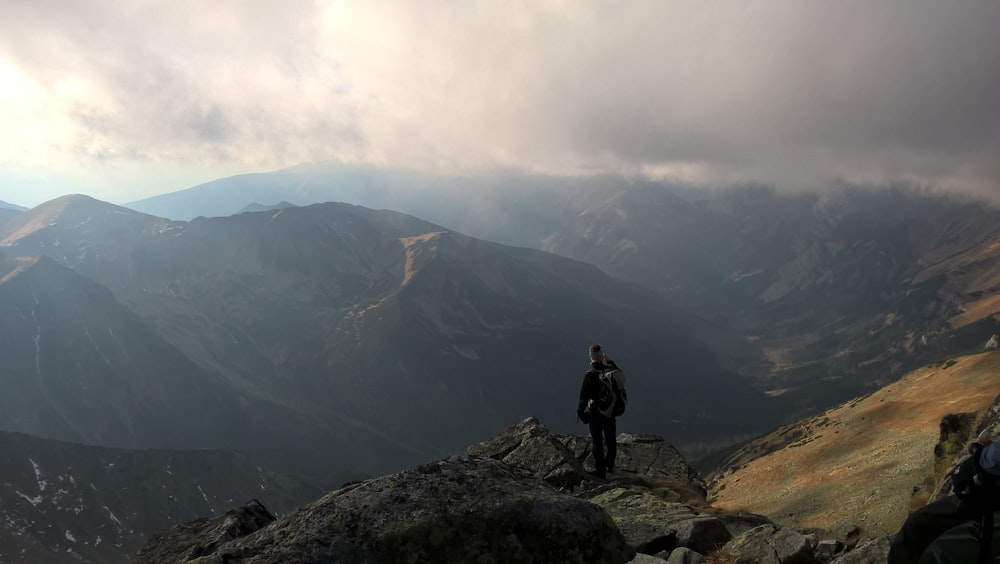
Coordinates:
(192, 540)
(530, 445)
(460, 509)
(561, 460)
(522, 496)
(771, 544)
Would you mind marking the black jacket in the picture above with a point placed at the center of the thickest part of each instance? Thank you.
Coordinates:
(591, 387)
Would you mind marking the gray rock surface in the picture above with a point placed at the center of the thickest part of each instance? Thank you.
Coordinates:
(522, 496)
(561, 460)
(683, 555)
(874, 551)
(646, 520)
(189, 541)
(461, 509)
(702, 534)
(641, 454)
(771, 544)
(532, 446)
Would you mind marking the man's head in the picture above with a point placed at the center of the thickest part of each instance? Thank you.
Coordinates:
(596, 355)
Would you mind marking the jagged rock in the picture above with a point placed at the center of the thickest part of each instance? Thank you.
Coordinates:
(703, 534)
(683, 555)
(827, 549)
(652, 524)
(992, 343)
(709, 532)
(531, 445)
(874, 551)
(743, 522)
(641, 454)
(560, 459)
(771, 544)
(645, 519)
(847, 533)
(461, 509)
(188, 541)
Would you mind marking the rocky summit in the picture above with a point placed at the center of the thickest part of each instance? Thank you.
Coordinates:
(523, 496)
(460, 509)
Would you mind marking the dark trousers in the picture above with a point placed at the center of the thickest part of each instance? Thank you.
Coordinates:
(602, 432)
(943, 531)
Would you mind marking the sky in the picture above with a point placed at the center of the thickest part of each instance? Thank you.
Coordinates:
(124, 99)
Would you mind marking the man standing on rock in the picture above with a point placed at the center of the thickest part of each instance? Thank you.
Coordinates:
(602, 427)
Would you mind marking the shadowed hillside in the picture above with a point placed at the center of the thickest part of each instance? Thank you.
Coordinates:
(839, 293)
(372, 339)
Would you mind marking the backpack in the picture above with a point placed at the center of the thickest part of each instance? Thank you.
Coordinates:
(979, 491)
(612, 398)
(973, 485)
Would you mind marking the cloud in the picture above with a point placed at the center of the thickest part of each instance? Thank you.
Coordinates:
(796, 93)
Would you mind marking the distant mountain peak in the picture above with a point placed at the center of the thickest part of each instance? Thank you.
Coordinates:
(63, 212)
(8, 206)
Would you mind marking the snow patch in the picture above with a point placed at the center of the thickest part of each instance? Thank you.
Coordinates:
(202, 492)
(34, 501)
(113, 518)
(38, 476)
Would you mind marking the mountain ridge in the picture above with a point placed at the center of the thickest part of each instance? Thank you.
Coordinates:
(341, 319)
(851, 286)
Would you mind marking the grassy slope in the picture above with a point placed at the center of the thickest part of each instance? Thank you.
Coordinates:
(859, 461)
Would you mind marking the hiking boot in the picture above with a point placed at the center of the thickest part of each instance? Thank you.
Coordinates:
(598, 474)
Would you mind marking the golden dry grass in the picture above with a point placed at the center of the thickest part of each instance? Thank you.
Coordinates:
(861, 461)
(976, 310)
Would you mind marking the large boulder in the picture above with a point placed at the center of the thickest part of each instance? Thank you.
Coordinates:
(461, 509)
(653, 522)
(771, 544)
(531, 445)
(188, 541)
(647, 521)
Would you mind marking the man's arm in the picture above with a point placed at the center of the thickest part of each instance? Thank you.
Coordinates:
(584, 395)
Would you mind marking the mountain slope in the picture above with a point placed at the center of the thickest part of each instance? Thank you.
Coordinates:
(371, 339)
(860, 461)
(840, 292)
(64, 502)
(79, 366)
